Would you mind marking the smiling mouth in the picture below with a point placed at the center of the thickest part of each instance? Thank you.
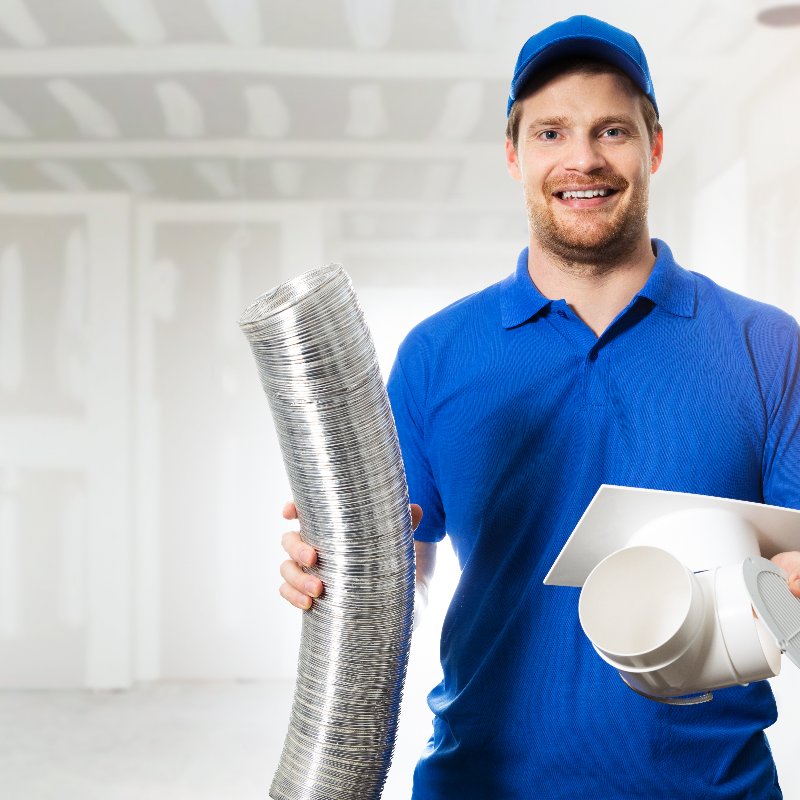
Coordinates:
(578, 194)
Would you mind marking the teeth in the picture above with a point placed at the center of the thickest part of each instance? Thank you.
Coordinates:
(585, 193)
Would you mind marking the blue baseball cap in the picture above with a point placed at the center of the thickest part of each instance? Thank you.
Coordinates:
(578, 37)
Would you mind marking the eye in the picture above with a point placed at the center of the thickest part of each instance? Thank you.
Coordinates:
(549, 136)
(613, 133)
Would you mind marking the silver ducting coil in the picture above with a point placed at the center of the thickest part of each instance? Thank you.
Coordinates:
(318, 367)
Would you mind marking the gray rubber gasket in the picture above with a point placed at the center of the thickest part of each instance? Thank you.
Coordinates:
(774, 603)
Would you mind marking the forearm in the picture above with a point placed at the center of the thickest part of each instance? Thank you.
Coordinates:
(425, 556)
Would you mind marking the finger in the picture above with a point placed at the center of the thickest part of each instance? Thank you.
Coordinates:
(783, 560)
(790, 564)
(297, 599)
(416, 516)
(297, 549)
(299, 580)
(289, 510)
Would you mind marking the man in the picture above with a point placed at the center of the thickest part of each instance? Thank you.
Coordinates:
(599, 360)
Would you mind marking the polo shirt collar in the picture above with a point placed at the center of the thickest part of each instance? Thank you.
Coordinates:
(669, 286)
(520, 299)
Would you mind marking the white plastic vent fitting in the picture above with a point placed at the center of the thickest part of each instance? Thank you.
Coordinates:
(675, 594)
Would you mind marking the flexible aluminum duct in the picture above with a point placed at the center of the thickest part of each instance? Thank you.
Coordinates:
(318, 367)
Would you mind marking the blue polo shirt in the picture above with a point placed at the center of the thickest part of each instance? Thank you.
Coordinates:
(511, 413)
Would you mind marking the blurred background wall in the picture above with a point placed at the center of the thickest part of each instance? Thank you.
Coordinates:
(162, 162)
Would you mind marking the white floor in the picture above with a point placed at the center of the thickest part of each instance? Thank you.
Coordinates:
(175, 741)
(206, 741)
(159, 742)
(186, 742)
(163, 741)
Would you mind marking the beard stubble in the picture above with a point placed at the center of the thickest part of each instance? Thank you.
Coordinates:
(593, 242)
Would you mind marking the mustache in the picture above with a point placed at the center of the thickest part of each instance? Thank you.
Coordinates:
(562, 183)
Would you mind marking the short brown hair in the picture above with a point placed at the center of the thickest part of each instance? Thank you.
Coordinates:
(581, 66)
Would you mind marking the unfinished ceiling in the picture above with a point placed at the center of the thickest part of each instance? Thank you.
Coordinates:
(388, 114)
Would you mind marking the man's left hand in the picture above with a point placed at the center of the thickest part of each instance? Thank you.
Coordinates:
(790, 564)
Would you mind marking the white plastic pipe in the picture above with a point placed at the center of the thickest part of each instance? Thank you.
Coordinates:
(671, 632)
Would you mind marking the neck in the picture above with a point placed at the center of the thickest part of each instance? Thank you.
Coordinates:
(596, 292)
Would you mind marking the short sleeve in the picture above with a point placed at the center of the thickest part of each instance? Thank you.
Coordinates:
(410, 422)
(781, 462)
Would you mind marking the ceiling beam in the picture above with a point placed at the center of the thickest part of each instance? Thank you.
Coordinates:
(440, 248)
(212, 58)
(247, 149)
(449, 206)
(295, 61)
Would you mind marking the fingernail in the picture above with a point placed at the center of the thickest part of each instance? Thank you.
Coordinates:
(311, 588)
(796, 584)
(307, 555)
(306, 603)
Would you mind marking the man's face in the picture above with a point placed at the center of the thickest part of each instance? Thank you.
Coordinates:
(584, 133)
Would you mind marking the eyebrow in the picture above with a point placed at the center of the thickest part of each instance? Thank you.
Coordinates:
(612, 119)
(548, 122)
(563, 122)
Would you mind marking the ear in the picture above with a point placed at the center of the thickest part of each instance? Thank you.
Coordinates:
(512, 161)
(658, 152)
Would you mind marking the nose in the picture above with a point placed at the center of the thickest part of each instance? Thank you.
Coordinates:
(584, 154)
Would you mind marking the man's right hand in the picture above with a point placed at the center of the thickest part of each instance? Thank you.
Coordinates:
(300, 588)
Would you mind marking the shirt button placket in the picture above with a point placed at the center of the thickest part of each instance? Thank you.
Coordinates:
(594, 369)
